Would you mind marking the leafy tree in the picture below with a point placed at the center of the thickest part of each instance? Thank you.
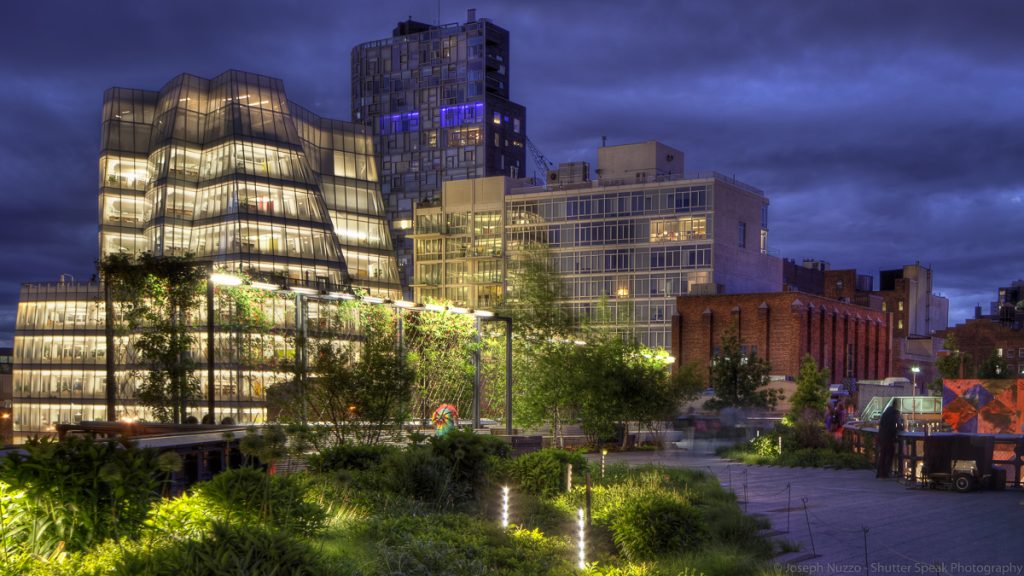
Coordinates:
(811, 396)
(441, 346)
(159, 298)
(993, 367)
(740, 381)
(543, 348)
(950, 365)
(357, 389)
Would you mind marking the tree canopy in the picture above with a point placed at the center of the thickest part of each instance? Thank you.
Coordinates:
(740, 381)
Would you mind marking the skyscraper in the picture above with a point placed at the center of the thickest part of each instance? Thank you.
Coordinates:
(437, 101)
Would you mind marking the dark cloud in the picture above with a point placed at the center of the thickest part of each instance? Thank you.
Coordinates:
(883, 132)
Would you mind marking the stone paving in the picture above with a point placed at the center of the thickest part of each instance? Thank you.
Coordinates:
(857, 524)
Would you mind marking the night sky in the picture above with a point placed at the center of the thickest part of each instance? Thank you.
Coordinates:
(883, 132)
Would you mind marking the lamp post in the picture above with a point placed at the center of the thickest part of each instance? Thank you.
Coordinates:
(214, 279)
(487, 316)
(913, 400)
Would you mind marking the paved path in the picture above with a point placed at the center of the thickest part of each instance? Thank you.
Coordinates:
(909, 531)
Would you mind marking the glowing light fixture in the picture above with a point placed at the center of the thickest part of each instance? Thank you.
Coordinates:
(404, 304)
(483, 313)
(266, 286)
(504, 506)
(372, 299)
(582, 540)
(222, 279)
(304, 290)
(435, 307)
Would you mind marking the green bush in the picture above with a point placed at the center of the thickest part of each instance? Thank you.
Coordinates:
(182, 518)
(543, 472)
(414, 472)
(226, 551)
(469, 458)
(658, 524)
(460, 545)
(248, 496)
(350, 457)
(77, 491)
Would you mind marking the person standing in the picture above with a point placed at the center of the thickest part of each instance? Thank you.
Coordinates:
(889, 425)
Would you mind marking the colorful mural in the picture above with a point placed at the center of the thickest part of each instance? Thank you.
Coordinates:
(984, 406)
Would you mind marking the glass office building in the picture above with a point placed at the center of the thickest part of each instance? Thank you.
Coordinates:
(437, 101)
(231, 172)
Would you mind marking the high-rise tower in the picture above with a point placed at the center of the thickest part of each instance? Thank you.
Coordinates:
(437, 101)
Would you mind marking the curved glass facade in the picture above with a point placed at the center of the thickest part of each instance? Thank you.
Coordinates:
(229, 170)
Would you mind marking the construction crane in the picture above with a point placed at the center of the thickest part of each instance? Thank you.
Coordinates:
(539, 160)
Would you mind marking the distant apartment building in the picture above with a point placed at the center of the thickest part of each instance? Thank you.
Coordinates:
(1000, 334)
(625, 245)
(437, 101)
(906, 294)
(229, 171)
(852, 341)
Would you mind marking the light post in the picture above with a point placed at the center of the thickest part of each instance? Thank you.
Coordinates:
(913, 400)
(214, 279)
(487, 316)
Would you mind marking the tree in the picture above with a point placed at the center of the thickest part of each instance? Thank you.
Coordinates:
(357, 390)
(811, 396)
(441, 346)
(159, 298)
(994, 367)
(543, 343)
(740, 380)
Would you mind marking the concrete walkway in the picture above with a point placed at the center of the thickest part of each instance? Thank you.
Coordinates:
(861, 525)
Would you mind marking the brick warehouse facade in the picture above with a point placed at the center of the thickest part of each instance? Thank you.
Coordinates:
(850, 340)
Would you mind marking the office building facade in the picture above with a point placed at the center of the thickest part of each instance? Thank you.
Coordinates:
(437, 101)
(625, 246)
(231, 172)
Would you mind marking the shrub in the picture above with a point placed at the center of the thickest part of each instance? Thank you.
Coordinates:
(459, 545)
(415, 472)
(182, 518)
(79, 491)
(248, 496)
(543, 472)
(660, 523)
(226, 551)
(350, 457)
(469, 458)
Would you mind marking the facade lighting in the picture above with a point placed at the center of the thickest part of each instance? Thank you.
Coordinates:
(266, 286)
(222, 279)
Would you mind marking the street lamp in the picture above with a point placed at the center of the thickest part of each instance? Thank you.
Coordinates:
(215, 279)
(913, 401)
(488, 316)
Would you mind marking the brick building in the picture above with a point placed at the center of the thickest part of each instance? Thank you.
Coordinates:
(980, 337)
(851, 341)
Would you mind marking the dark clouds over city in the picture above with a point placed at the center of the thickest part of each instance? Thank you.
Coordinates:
(883, 132)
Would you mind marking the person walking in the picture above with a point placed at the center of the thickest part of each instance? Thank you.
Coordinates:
(888, 426)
